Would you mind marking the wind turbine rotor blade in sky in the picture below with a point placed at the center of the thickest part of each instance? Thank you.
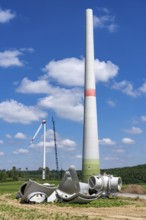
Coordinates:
(36, 133)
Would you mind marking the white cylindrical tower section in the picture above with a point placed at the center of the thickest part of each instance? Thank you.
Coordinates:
(89, 56)
(90, 161)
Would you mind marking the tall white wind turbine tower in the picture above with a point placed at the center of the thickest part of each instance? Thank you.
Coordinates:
(90, 161)
(43, 124)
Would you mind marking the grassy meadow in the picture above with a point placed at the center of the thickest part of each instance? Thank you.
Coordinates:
(10, 187)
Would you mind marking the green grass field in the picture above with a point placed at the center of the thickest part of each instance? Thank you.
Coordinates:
(10, 187)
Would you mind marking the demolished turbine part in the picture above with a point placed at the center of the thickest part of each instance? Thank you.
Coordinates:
(115, 183)
(76, 197)
(84, 188)
(68, 186)
(34, 187)
(74, 177)
(70, 182)
(96, 183)
(36, 197)
(63, 196)
(48, 184)
(72, 191)
(20, 193)
(104, 183)
(52, 197)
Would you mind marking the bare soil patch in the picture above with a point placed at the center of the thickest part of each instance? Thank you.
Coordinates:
(134, 188)
(12, 209)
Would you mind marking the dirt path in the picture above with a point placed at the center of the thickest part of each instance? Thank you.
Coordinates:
(136, 211)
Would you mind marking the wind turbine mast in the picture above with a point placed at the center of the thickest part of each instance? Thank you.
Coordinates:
(43, 124)
(44, 152)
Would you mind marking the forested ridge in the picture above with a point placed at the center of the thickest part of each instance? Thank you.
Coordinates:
(129, 175)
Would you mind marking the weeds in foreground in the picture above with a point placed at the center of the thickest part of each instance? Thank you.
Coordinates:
(15, 213)
(44, 211)
(111, 202)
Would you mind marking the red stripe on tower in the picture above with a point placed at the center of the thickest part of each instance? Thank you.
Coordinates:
(90, 92)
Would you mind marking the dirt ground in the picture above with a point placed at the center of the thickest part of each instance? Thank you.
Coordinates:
(134, 188)
(134, 211)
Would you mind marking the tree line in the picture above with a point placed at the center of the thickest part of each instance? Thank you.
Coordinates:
(16, 174)
(129, 175)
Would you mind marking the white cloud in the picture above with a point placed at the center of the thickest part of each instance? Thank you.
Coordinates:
(14, 112)
(134, 130)
(1, 153)
(8, 136)
(104, 71)
(78, 156)
(110, 158)
(21, 151)
(142, 88)
(70, 71)
(127, 140)
(143, 118)
(126, 88)
(119, 150)
(66, 103)
(35, 87)
(105, 10)
(111, 103)
(10, 58)
(112, 27)
(6, 15)
(20, 135)
(48, 144)
(60, 144)
(65, 144)
(27, 49)
(105, 21)
(1, 142)
(50, 134)
(107, 141)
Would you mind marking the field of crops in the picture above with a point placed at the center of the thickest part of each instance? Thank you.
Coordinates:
(101, 209)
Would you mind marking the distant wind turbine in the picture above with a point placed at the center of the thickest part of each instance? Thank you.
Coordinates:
(43, 124)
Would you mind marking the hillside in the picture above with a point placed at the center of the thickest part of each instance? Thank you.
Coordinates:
(129, 175)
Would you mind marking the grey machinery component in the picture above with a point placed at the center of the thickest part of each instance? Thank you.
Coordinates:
(35, 192)
(71, 190)
(106, 184)
(20, 193)
(70, 181)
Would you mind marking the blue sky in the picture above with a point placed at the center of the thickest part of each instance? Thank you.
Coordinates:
(42, 46)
